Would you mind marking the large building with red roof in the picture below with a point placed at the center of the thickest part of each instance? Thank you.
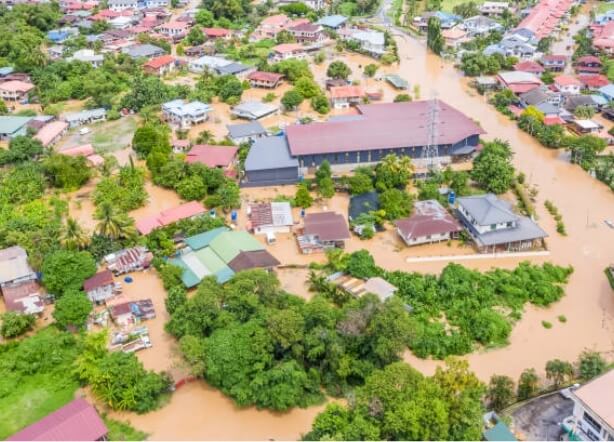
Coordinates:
(545, 17)
(170, 216)
(75, 421)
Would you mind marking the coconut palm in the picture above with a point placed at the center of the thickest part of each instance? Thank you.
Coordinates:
(74, 236)
(112, 224)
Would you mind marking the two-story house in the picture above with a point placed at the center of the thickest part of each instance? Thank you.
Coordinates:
(567, 85)
(184, 115)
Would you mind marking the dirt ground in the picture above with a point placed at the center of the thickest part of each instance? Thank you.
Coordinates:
(106, 136)
(540, 418)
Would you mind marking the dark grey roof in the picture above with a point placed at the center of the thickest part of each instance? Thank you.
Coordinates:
(363, 203)
(144, 50)
(573, 101)
(232, 69)
(534, 97)
(548, 108)
(246, 129)
(269, 153)
(525, 230)
(488, 209)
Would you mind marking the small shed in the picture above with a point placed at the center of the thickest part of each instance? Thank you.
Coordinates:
(99, 287)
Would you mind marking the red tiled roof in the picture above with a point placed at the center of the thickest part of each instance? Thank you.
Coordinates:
(158, 62)
(164, 218)
(327, 226)
(433, 220)
(382, 126)
(264, 76)
(212, 156)
(275, 20)
(346, 92)
(284, 48)
(566, 80)
(75, 421)
(216, 32)
(100, 279)
(529, 66)
(593, 80)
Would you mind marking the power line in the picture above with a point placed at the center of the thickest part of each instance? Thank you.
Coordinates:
(430, 153)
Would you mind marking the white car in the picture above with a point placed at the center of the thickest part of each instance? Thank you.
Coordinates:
(84, 131)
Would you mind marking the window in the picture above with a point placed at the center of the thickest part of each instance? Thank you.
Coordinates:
(493, 227)
(592, 422)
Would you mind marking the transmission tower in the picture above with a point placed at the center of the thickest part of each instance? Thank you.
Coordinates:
(430, 154)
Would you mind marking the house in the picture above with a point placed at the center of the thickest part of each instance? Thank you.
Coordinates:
(23, 297)
(606, 17)
(223, 157)
(518, 82)
(446, 20)
(61, 35)
(143, 51)
(184, 115)
(494, 8)
(239, 70)
(544, 18)
(593, 416)
(585, 127)
(607, 92)
(217, 33)
(455, 36)
(593, 81)
(568, 85)
(18, 282)
(246, 132)
(378, 130)
(77, 420)
(540, 96)
(358, 287)
(588, 64)
(254, 110)
(270, 218)
(87, 151)
(480, 25)
(221, 253)
(307, 33)
(56, 52)
(99, 287)
(372, 42)
(15, 90)
(273, 25)
(10, 126)
(494, 227)
(322, 231)
(333, 21)
(122, 5)
(285, 51)
(269, 80)
(572, 102)
(219, 66)
(167, 217)
(180, 146)
(511, 48)
(128, 260)
(88, 116)
(603, 38)
(199, 51)
(121, 22)
(529, 66)
(132, 312)
(87, 56)
(396, 81)
(554, 63)
(269, 163)
(345, 96)
(160, 65)
(429, 223)
(51, 133)
(174, 29)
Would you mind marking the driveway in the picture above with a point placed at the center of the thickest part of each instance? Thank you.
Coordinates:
(539, 419)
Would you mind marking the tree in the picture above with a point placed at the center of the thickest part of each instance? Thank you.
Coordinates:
(395, 203)
(393, 172)
(362, 265)
(584, 149)
(326, 187)
(338, 70)
(15, 324)
(74, 237)
(21, 148)
(401, 98)
(528, 384)
(65, 270)
(307, 87)
(230, 88)
(293, 69)
(296, 9)
(320, 104)
(147, 137)
(558, 371)
(492, 168)
(195, 36)
(112, 224)
(303, 198)
(284, 36)
(434, 39)
(500, 392)
(291, 99)
(466, 10)
(361, 182)
(229, 195)
(204, 18)
(370, 70)
(591, 364)
(66, 172)
(72, 310)
(544, 44)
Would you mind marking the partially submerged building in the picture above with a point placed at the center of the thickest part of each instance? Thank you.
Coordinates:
(322, 231)
(128, 260)
(170, 216)
(183, 114)
(430, 222)
(270, 218)
(18, 282)
(99, 287)
(132, 312)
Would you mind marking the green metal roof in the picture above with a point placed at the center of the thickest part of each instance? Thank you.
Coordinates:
(188, 277)
(499, 432)
(229, 244)
(397, 81)
(201, 240)
(210, 260)
(11, 125)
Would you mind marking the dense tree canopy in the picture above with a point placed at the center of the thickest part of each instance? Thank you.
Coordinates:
(492, 168)
(65, 271)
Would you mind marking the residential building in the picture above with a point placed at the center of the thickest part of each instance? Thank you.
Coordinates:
(143, 51)
(554, 63)
(58, 36)
(396, 81)
(174, 29)
(10, 126)
(246, 132)
(219, 66)
(121, 5)
(603, 38)
(322, 231)
(273, 25)
(430, 222)
(345, 96)
(446, 20)
(529, 66)
(254, 110)
(358, 287)
(333, 21)
(607, 92)
(567, 85)
(15, 90)
(132, 312)
(518, 82)
(585, 127)
(494, 8)
(128, 260)
(572, 102)
(513, 45)
(77, 420)
(545, 16)
(372, 42)
(184, 115)
(88, 116)
(51, 133)
(480, 25)
(270, 218)
(223, 157)
(217, 33)
(307, 33)
(453, 37)
(170, 216)
(494, 227)
(87, 56)
(588, 64)
(269, 163)
(285, 51)
(221, 253)
(121, 22)
(18, 282)
(593, 81)
(99, 287)
(539, 96)
(160, 65)
(180, 146)
(269, 80)
(239, 70)
(23, 297)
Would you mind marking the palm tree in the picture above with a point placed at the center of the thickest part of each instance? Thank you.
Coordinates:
(112, 224)
(74, 236)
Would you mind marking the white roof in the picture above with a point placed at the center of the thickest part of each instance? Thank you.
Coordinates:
(86, 55)
(211, 62)
(587, 124)
(597, 395)
(519, 77)
(282, 213)
(373, 37)
(180, 107)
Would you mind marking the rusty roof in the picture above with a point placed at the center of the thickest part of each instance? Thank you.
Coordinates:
(327, 226)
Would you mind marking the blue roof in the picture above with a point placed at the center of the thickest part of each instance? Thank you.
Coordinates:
(499, 432)
(332, 21)
(6, 71)
(202, 240)
(607, 90)
(188, 277)
(446, 16)
(269, 153)
(599, 100)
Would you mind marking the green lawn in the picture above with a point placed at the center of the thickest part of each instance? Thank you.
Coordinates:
(448, 5)
(119, 431)
(604, 7)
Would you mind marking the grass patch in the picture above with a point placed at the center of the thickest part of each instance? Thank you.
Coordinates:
(448, 5)
(119, 431)
(604, 7)
(562, 319)
(113, 135)
(546, 324)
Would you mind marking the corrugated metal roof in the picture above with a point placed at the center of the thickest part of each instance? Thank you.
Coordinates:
(229, 244)
(201, 240)
(269, 153)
